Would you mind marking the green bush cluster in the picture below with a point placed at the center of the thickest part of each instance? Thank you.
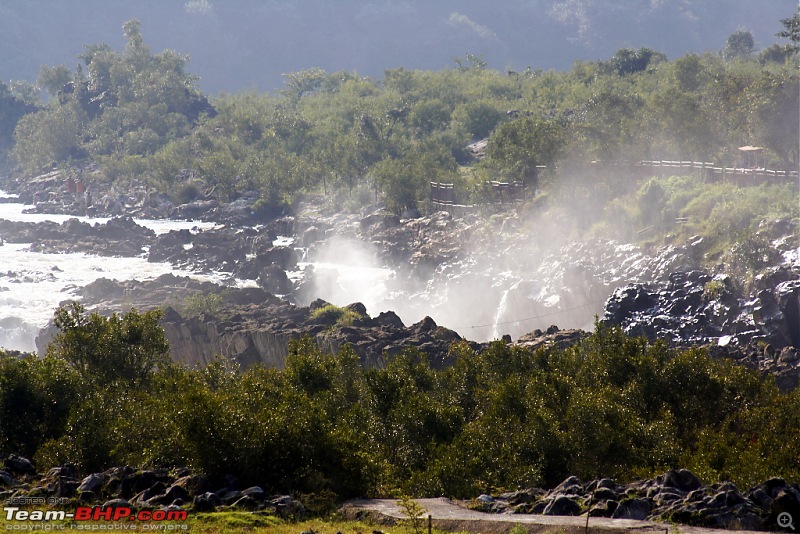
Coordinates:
(346, 136)
(506, 417)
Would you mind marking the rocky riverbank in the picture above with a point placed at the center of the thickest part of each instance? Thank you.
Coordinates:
(141, 489)
(460, 271)
(678, 496)
(495, 276)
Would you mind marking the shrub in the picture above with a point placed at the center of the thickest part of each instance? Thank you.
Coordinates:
(188, 192)
(335, 315)
(102, 350)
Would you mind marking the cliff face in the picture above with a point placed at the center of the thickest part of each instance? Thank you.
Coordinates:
(197, 341)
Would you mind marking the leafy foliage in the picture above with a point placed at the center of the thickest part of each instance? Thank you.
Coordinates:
(359, 140)
(116, 349)
(12, 109)
(502, 418)
(739, 44)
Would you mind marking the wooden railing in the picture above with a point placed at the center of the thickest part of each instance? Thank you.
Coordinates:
(443, 199)
(713, 172)
(507, 192)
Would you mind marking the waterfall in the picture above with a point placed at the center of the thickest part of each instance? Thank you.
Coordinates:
(502, 308)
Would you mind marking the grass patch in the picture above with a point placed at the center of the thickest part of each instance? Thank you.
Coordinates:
(335, 314)
(234, 522)
(678, 207)
(200, 302)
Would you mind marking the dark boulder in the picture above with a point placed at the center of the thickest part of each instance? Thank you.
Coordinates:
(637, 509)
(681, 479)
(562, 505)
(17, 465)
(275, 280)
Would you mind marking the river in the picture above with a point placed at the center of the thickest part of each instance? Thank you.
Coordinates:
(33, 284)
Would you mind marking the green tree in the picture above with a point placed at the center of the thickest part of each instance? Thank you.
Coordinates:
(791, 31)
(12, 109)
(629, 61)
(470, 62)
(479, 118)
(104, 350)
(36, 397)
(518, 147)
(53, 79)
(49, 137)
(739, 44)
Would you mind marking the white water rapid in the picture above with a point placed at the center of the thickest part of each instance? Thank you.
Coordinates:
(32, 284)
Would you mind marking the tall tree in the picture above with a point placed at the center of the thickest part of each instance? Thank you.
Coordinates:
(791, 31)
(739, 44)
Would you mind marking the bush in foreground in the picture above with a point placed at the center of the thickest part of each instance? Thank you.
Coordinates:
(505, 417)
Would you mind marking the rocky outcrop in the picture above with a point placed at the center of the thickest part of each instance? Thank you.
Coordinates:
(677, 496)
(153, 489)
(251, 326)
(694, 307)
(117, 237)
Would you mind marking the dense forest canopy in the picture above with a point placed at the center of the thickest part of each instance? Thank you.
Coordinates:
(142, 117)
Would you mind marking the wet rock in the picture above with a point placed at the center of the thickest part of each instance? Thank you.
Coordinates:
(285, 257)
(275, 280)
(788, 297)
(694, 308)
(194, 210)
(425, 325)
(389, 319)
(311, 235)
(169, 246)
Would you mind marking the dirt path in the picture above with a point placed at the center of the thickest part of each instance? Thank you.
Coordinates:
(448, 515)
